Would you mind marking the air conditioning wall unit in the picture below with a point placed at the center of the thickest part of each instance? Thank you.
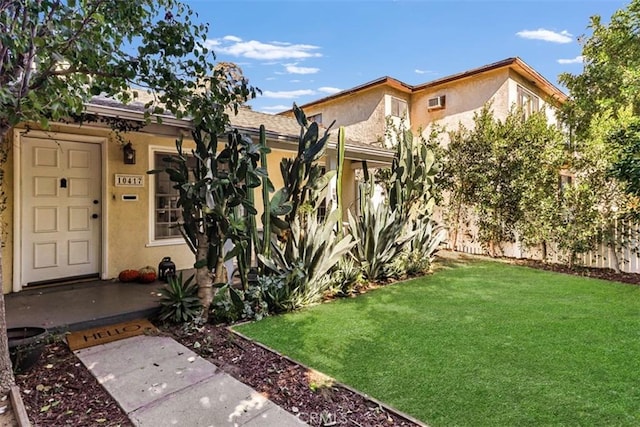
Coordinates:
(436, 103)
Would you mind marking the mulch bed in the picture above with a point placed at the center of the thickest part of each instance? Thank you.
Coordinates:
(60, 391)
(596, 273)
(308, 394)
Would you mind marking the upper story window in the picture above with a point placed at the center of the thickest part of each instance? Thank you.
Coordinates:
(315, 118)
(398, 107)
(527, 101)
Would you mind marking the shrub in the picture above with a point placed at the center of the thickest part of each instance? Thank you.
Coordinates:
(301, 267)
(380, 238)
(346, 276)
(179, 300)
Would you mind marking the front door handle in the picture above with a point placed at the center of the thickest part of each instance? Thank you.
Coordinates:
(94, 216)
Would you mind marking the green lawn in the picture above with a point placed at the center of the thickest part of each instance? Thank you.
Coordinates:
(480, 343)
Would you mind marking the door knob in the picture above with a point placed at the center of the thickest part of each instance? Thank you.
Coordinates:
(94, 216)
(95, 202)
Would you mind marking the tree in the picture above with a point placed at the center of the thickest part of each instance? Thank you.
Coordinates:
(610, 80)
(506, 171)
(215, 203)
(55, 55)
(542, 155)
(603, 113)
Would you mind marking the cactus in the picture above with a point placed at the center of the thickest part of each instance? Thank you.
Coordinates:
(339, 173)
(413, 175)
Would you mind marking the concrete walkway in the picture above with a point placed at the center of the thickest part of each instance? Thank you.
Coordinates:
(159, 382)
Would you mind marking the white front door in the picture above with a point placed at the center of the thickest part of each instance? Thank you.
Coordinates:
(61, 209)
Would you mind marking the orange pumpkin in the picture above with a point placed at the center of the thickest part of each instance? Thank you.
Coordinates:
(128, 275)
(147, 274)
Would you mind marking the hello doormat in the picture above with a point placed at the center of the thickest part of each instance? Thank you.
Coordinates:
(105, 334)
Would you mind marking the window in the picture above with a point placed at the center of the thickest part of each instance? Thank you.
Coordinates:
(398, 107)
(166, 213)
(527, 101)
(315, 118)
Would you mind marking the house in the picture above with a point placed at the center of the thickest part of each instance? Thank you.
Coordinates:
(80, 204)
(447, 102)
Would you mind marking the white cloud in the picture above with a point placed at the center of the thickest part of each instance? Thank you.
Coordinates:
(577, 60)
(417, 71)
(328, 89)
(211, 43)
(270, 78)
(277, 108)
(287, 94)
(232, 39)
(546, 35)
(255, 49)
(293, 69)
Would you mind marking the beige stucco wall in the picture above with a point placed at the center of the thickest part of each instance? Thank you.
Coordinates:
(463, 99)
(127, 237)
(349, 189)
(362, 115)
(516, 80)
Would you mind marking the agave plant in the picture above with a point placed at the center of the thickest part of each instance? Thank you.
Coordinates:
(427, 237)
(305, 260)
(347, 275)
(179, 300)
(380, 238)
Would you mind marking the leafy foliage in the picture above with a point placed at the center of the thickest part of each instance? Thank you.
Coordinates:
(610, 80)
(423, 246)
(626, 140)
(55, 55)
(379, 236)
(305, 182)
(213, 195)
(413, 173)
(346, 277)
(179, 302)
(303, 262)
(506, 170)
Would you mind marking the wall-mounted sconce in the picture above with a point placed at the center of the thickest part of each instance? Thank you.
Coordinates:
(129, 154)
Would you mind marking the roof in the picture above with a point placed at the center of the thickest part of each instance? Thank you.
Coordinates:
(515, 63)
(285, 130)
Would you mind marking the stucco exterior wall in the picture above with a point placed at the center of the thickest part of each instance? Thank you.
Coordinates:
(362, 115)
(516, 80)
(463, 99)
(127, 233)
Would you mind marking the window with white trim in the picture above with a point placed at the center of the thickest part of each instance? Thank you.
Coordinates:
(527, 101)
(398, 107)
(166, 213)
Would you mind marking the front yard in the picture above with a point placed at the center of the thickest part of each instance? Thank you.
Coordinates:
(479, 343)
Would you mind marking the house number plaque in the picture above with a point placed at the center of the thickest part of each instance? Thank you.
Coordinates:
(129, 180)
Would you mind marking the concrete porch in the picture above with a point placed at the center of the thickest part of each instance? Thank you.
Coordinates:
(77, 306)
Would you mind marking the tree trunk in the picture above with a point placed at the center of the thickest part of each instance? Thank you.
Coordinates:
(456, 227)
(544, 251)
(204, 278)
(6, 370)
(4, 131)
(611, 244)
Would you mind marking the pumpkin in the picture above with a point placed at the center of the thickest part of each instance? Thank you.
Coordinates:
(128, 275)
(147, 274)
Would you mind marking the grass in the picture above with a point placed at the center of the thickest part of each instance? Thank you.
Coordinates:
(479, 343)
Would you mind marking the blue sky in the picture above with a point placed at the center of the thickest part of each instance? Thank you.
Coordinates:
(299, 51)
